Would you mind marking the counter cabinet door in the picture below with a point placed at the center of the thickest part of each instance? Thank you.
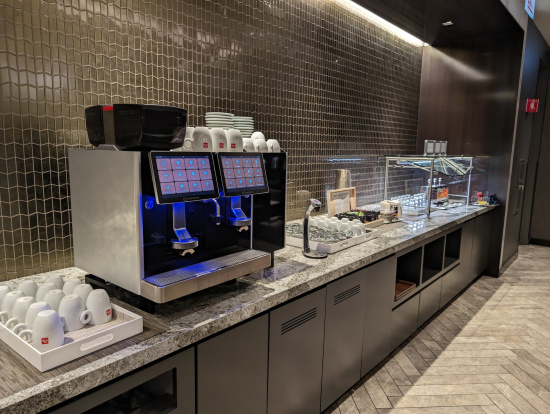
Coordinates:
(379, 295)
(167, 386)
(343, 336)
(296, 334)
(232, 370)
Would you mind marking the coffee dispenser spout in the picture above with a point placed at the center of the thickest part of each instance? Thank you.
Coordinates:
(217, 217)
(184, 240)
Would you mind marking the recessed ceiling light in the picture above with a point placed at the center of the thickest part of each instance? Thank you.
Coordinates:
(447, 23)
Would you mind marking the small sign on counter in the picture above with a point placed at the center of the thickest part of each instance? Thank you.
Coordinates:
(532, 105)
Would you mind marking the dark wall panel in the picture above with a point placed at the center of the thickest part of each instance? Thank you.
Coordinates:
(468, 97)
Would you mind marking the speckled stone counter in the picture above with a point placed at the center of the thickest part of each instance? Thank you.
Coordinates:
(205, 313)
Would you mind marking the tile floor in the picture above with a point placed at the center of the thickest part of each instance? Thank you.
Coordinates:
(488, 352)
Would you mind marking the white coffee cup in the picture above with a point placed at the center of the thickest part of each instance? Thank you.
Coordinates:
(356, 229)
(323, 222)
(260, 146)
(47, 332)
(273, 145)
(53, 298)
(70, 284)
(189, 132)
(202, 140)
(73, 313)
(248, 145)
(333, 225)
(83, 291)
(4, 290)
(257, 135)
(99, 304)
(335, 219)
(19, 311)
(34, 310)
(8, 303)
(234, 140)
(28, 287)
(219, 140)
(313, 222)
(56, 280)
(43, 289)
(343, 226)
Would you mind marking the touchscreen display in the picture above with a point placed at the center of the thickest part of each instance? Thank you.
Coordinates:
(242, 174)
(179, 177)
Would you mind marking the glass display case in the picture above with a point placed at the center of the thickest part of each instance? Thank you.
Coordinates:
(430, 183)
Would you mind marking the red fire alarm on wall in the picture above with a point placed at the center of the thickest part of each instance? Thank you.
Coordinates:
(532, 105)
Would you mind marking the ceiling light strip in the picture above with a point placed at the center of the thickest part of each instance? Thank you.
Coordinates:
(377, 20)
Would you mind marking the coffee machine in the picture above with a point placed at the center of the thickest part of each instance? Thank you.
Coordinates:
(161, 224)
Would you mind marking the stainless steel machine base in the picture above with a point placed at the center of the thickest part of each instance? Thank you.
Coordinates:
(174, 284)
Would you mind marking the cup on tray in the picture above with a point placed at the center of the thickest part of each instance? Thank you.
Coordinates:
(202, 140)
(99, 304)
(53, 298)
(73, 313)
(47, 332)
(219, 140)
(234, 140)
(70, 284)
(28, 287)
(273, 145)
(32, 312)
(8, 303)
(248, 145)
(56, 280)
(83, 291)
(260, 145)
(43, 289)
(19, 312)
(4, 290)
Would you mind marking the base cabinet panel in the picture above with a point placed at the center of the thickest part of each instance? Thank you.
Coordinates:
(343, 336)
(451, 284)
(296, 333)
(380, 290)
(404, 321)
(429, 302)
(482, 239)
(167, 386)
(232, 370)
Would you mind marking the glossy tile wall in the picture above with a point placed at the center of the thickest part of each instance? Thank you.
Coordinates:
(333, 88)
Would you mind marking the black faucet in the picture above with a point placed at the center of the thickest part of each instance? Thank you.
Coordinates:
(314, 205)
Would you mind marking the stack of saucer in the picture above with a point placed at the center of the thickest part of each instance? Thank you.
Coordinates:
(245, 124)
(219, 120)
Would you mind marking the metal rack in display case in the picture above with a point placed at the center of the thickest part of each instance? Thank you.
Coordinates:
(456, 169)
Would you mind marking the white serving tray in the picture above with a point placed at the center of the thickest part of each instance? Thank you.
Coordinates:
(335, 247)
(78, 343)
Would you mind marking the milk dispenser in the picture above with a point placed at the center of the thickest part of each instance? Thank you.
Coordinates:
(163, 224)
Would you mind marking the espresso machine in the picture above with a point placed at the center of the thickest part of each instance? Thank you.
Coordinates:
(159, 224)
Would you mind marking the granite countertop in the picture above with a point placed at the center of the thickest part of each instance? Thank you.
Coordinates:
(205, 313)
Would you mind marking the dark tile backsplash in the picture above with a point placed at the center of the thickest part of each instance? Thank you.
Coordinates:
(334, 89)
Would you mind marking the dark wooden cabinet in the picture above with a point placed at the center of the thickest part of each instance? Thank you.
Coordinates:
(232, 370)
(343, 336)
(296, 334)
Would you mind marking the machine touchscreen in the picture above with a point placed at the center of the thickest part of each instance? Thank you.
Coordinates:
(242, 173)
(180, 177)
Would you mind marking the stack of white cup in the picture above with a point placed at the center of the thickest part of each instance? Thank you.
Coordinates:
(41, 314)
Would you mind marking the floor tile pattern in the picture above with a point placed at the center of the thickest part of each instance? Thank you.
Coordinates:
(487, 352)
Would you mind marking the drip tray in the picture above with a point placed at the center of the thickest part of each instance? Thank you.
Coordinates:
(174, 284)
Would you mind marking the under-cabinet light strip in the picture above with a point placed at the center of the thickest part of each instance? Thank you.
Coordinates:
(377, 20)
